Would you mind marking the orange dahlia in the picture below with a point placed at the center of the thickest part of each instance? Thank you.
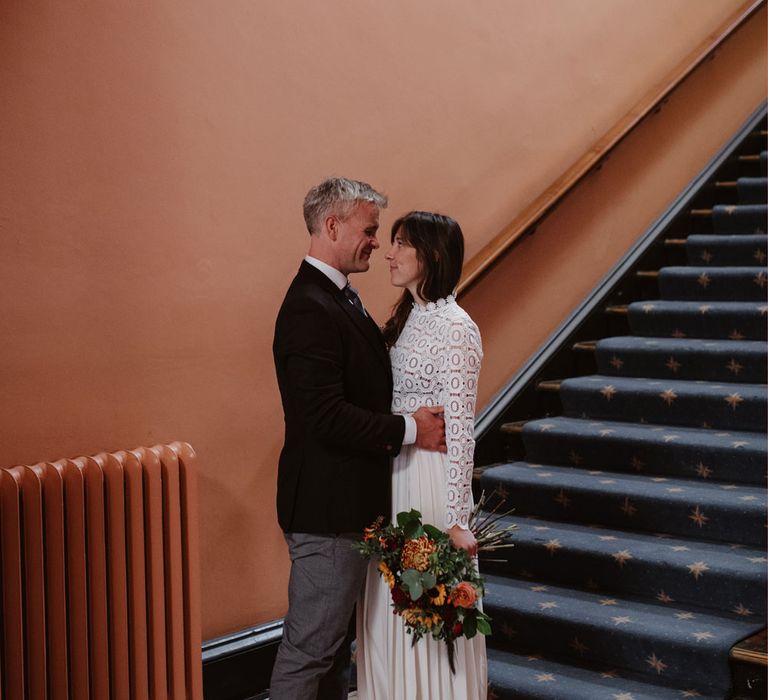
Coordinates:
(416, 553)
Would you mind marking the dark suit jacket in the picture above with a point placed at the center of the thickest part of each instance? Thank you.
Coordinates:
(336, 387)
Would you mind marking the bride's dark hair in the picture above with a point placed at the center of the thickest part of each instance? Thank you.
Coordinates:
(439, 245)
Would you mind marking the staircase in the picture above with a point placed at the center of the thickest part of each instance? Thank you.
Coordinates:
(639, 494)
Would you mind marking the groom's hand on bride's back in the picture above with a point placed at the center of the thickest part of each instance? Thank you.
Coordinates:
(430, 428)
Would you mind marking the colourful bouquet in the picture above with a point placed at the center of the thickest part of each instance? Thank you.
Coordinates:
(435, 587)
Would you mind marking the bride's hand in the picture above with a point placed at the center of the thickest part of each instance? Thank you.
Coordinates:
(463, 539)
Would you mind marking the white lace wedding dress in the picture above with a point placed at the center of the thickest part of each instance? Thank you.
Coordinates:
(435, 362)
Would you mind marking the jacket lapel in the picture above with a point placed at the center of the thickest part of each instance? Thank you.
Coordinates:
(364, 324)
(367, 326)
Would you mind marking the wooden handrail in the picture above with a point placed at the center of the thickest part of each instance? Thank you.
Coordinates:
(530, 217)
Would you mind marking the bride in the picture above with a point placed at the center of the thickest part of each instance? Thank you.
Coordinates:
(435, 352)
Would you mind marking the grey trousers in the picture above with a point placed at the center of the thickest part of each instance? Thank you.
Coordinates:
(326, 580)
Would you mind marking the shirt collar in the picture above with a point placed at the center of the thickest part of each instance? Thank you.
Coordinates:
(337, 277)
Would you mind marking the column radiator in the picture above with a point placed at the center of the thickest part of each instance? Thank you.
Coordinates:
(100, 578)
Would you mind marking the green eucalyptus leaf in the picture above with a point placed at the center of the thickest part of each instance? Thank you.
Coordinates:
(483, 627)
(428, 579)
(410, 576)
(412, 581)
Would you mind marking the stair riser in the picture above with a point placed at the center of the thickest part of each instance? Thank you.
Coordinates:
(717, 251)
(687, 410)
(738, 524)
(518, 691)
(695, 324)
(750, 369)
(716, 284)
(643, 578)
(740, 219)
(622, 647)
(521, 677)
(752, 190)
(638, 456)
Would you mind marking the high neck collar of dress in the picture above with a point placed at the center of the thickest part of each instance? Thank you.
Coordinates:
(433, 305)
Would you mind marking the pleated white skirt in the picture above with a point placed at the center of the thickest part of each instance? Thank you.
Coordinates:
(388, 666)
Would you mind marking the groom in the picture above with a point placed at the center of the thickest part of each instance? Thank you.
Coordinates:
(334, 474)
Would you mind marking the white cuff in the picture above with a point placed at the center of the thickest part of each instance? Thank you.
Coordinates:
(410, 430)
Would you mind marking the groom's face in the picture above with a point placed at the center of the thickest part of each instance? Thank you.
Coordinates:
(356, 238)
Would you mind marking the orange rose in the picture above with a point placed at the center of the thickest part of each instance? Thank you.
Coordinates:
(464, 595)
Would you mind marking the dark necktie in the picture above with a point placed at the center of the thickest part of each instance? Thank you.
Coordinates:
(351, 293)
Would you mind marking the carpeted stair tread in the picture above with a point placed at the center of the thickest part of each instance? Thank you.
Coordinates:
(666, 401)
(696, 453)
(733, 320)
(740, 218)
(532, 677)
(680, 644)
(752, 190)
(633, 563)
(682, 507)
(717, 251)
(713, 283)
(683, 358)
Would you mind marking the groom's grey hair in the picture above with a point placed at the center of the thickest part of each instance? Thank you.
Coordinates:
(338, 196)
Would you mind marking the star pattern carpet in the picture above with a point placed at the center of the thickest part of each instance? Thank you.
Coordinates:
(702, 453)
(534, 677)
(640, 540)
(683, 358)
(726, 320)
(667, 402)
(739, 250)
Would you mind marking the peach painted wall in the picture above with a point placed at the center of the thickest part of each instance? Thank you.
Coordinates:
(548, 274)
(155, 155)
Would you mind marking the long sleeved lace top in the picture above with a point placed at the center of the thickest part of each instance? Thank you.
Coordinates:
(436, 362)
